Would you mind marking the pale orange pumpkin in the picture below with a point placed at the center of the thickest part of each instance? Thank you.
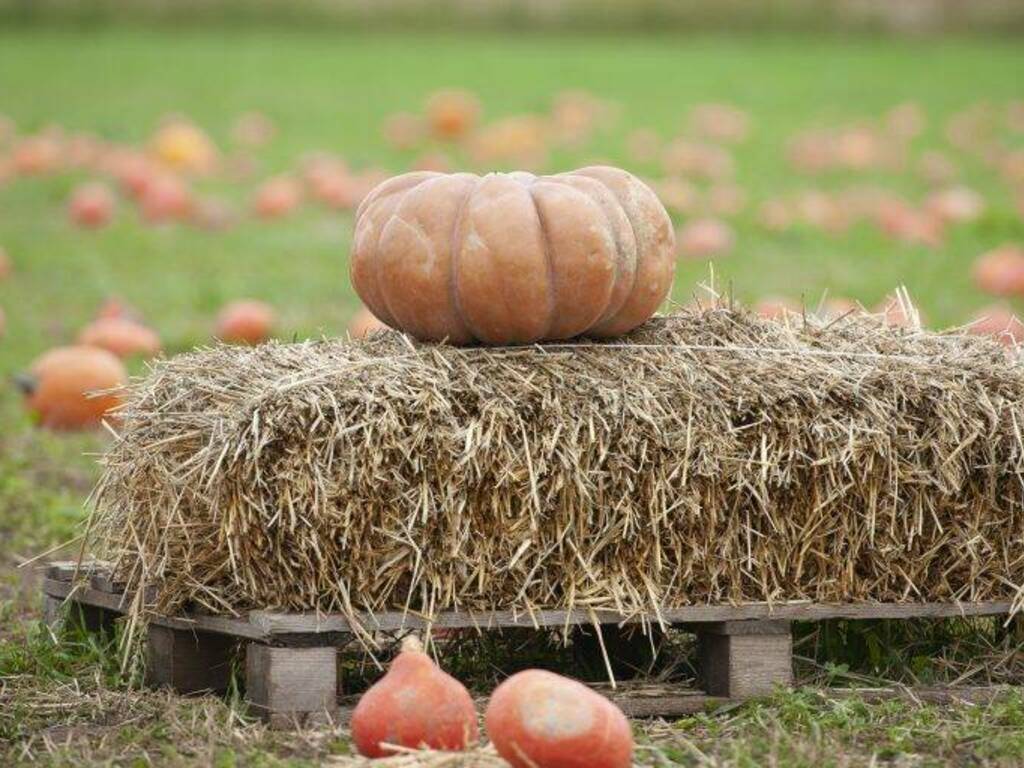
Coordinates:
(91, 205)
(1000, 271)
(59, 386)
(183, 146)
(277, 197)
(537, 719)
(6, 265)
(513, 258)
(999, 322)
(452, 114)
(122, 336)
(703, 238)
(363, 323)
(246, 322)
(414, 705)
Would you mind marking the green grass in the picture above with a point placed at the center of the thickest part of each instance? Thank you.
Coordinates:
(332, 92)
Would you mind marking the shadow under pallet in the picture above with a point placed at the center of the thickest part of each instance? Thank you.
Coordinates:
(291, 660)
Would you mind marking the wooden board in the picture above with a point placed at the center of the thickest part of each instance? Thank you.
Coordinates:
(274, 623)
(299, 627)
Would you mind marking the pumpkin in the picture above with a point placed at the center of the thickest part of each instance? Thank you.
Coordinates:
(776, 307)
(36, 155)
(513, 258)
(116, 307)
(363, 323)
(213, 214)
(164, 198)
(1000, 322)
(59, 384)
(245, 322)
(122, 336)
(537, 719)
(705, 237)
(1000, 271)
(414, 705)
(452, 114)
(182, 146)
(277, 197)
(956, 204)
(6, 265)
(91, 205)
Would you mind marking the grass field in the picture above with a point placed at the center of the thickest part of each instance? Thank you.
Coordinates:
(331, 92)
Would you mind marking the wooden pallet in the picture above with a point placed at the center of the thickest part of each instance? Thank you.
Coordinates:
(291, 660)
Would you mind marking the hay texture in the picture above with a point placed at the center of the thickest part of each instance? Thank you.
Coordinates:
(711, 456)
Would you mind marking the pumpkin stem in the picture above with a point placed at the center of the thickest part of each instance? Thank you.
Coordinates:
(26, 383)
(412, 643)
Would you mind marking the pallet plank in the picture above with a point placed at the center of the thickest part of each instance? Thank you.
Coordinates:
(274, 624)
(281, 623)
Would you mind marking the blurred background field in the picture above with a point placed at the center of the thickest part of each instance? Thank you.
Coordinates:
(328, 75)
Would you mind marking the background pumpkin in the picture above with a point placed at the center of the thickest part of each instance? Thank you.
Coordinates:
(513, 258)
(59, 385)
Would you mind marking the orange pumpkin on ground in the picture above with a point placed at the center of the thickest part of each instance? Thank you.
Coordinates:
(91, 205)
(246, 322)
(122, 336)
(57, 386)
(115, 307)
(513, 258)
(538, 719)
(703, 238)
(414, 705)
(1000, 272)
(182, 146)
(6, 265)
(452, 114)
(1000, 322)
(277, 197)
(36, 155)
(776, 307)
(363, 323)
(165, 198)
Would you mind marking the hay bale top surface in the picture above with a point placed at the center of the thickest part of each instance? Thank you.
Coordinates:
(709, 456)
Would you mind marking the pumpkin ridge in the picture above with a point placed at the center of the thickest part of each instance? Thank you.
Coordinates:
(547, 256)
(639, 251)
(453, 256)
(605, 318)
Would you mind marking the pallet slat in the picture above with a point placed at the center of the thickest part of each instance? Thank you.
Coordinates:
(270, 625)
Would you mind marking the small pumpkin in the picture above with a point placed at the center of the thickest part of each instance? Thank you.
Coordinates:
(1000, 322)
(122, 336)
(452, 113)
(363, 323)
(165, 197)
(183, 146)
(91, 205)
(58, 386)
(703, 238)
(537, 719)
(414, 705)
(246, 322)
(513, 258)
(1000, 271)
(277, 197)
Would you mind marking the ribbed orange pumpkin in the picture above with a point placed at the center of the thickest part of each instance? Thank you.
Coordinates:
(513, 258)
